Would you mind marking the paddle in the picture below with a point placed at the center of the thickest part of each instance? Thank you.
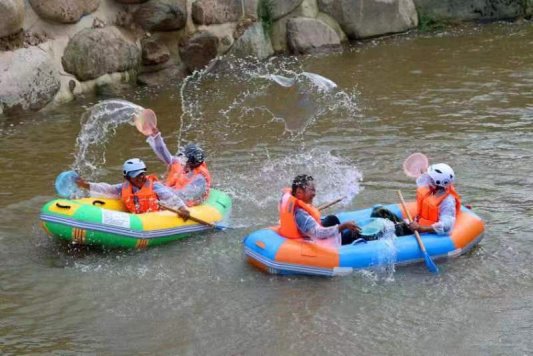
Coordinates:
(429, 262)
(198, 220)
(325, 206)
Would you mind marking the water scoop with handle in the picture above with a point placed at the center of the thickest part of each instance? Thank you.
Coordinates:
(415, 165)
(65, 184)
(146, 122)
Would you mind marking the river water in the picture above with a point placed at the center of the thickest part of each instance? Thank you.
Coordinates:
(464, 96)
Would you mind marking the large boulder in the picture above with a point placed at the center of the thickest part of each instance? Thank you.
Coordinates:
(453, 10)
(154, 52)
(306, 8)
(209, 12)
(11, 17)
(28, 80)
(330, 21)
(64, 11)
(280, 8)
(94, 52)
(161, 15)
(305, 35)
(199, 50)
(370, 18)
(254, 42)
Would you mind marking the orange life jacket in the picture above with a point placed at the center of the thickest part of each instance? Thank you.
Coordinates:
(287, 218)
(428, 204)
(178, 179)
(143, 200)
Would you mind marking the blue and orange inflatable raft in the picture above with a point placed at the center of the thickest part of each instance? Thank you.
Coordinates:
(275, 254)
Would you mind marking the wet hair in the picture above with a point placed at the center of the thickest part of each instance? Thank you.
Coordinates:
(301, 181)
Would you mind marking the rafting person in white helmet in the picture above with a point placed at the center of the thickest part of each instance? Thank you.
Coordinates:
(437, 203)
(141, 193)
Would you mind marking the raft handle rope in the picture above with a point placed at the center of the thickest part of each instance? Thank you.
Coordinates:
(62, 206)
(98, 202)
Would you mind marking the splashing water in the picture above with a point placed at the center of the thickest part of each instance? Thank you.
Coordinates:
(259, 188)
(97, 123)
(236, 90)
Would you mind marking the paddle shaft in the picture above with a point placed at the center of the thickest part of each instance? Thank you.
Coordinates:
(417, 235)
(200, 221)
(325, 206)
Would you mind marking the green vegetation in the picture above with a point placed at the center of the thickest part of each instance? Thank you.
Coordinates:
(428, 24)
(264, 11)
(528, 8)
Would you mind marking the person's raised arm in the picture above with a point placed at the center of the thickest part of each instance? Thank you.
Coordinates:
(156, 142)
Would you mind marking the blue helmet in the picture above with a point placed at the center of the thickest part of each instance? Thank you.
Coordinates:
(133, 167)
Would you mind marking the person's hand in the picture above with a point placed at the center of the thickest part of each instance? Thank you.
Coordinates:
(184, 213)
(414, 226)
(80, 182)
(350, 225)
(154, 132)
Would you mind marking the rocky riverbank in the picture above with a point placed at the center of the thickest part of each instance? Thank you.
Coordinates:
(52, 50)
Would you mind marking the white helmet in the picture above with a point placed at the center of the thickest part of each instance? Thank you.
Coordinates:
(441, 174)
(133, 167)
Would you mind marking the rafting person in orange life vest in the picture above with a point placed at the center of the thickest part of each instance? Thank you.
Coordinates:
(300, 219)
(437, 203)
(187, 175)
(140, 193)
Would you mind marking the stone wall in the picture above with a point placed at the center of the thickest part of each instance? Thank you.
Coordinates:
(52, 50)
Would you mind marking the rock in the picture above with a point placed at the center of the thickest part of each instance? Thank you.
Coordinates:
(28, 80)
(64, 11)
(154, 52)
(306, 8)
(450, 10)
(11, 17)
(250, 8)
(161, 15)
(369, 18)
(281, 8)
(330, 21)
(12, 42)
(199, 50)
(242, 26)
(305, 35)
(169, 75)
(254, 42)
(209, 12)
(94, 52)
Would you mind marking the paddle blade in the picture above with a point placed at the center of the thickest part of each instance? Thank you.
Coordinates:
(415, 165)
(432, 267)
(65, 184)
(146, 121)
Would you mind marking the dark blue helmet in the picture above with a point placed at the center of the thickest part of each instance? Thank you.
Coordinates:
(195, 155)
